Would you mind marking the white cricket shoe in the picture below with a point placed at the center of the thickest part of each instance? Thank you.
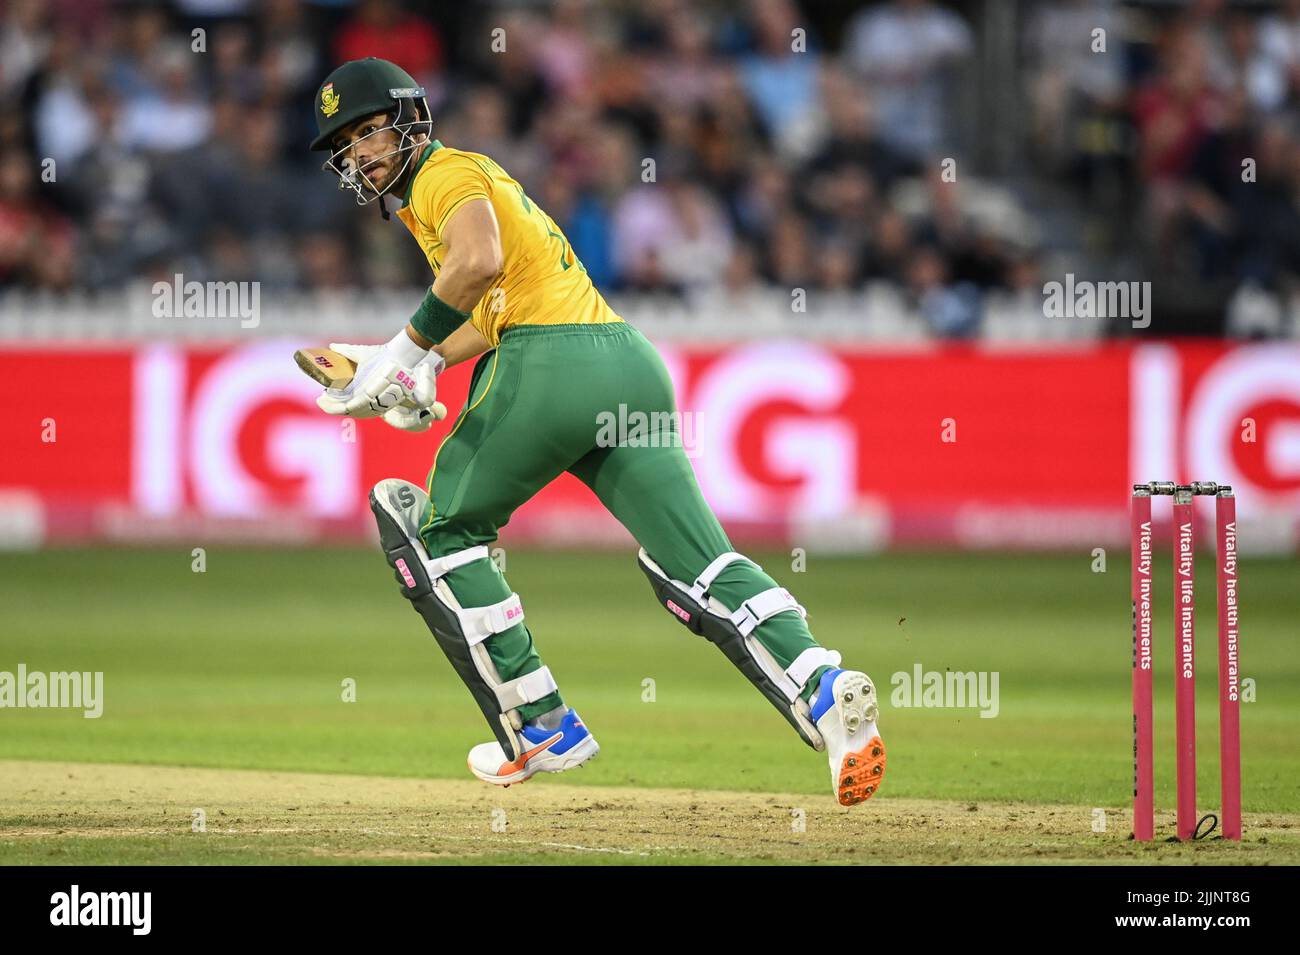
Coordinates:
(543, 751)
(845, 711)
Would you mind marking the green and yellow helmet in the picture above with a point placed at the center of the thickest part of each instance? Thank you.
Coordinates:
(362, 88)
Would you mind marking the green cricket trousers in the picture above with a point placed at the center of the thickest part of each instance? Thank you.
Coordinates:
(539, 405)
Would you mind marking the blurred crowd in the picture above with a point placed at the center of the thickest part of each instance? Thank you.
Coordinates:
(681, 145)
(1183, 150)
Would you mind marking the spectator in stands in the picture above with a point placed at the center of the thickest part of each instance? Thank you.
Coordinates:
(1269, 240)
(512, 69)
(905, 49)
(290, 60)
(114, 192)
(63, 119)
(805, 169)
(1208, 22)
(838, 263)
(842, 202)
(742, 270)
(230, 57)
(670, 235)
(1280, 41)
(766, 195)
(1075, 90)
(169, 114)
(1175, 113)
(687, 75)
(780, 79)
(850, 133)
(36, 244)
(890, 247)
(949, 309)
(1260, 76)
(789, 262)
(24, 43)
(384, 29)
(139, 36)
(564, 54)
(325, 263)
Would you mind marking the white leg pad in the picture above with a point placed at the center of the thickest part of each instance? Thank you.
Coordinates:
(801, 670)
(710, 573)
(528, 688)
(479, 623)
(764, 606)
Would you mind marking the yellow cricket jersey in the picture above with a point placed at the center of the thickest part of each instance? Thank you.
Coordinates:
(541, 280)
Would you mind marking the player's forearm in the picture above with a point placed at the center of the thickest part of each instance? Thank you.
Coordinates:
(473, 262)
(436, 320)
(463, 344)
(446, 308)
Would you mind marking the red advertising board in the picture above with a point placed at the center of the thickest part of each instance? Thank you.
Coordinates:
(847, 446)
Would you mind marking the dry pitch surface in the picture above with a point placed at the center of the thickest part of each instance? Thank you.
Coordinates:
(85, 813)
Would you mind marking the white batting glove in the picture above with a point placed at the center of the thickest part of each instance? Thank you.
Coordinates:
(411, 420)
(419, 419)
(388, 377)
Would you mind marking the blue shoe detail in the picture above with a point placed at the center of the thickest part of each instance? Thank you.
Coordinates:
(824, 699)
(571, 726)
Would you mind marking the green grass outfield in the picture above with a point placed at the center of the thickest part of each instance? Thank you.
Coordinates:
(241, 667)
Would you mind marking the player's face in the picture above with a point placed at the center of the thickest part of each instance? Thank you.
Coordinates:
(370, 147)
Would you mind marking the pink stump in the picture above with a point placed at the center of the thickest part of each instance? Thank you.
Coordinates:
(1225, 513)
(1143, 772)
(1185, 662)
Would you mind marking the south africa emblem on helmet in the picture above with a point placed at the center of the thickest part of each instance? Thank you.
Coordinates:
(329, 100)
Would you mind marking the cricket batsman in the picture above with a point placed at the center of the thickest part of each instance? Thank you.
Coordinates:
(551, 357)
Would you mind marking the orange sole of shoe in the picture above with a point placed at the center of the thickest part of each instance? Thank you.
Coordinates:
(517, 782)
(490, 782)
(861, 773)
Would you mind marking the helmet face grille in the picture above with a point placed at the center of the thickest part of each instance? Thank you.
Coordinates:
(410, 120)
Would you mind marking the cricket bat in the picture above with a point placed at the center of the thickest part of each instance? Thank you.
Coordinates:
(326, 367)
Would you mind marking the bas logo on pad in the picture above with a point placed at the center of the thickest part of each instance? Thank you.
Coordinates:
(329, 100)
(405, 571)
(684, 614)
